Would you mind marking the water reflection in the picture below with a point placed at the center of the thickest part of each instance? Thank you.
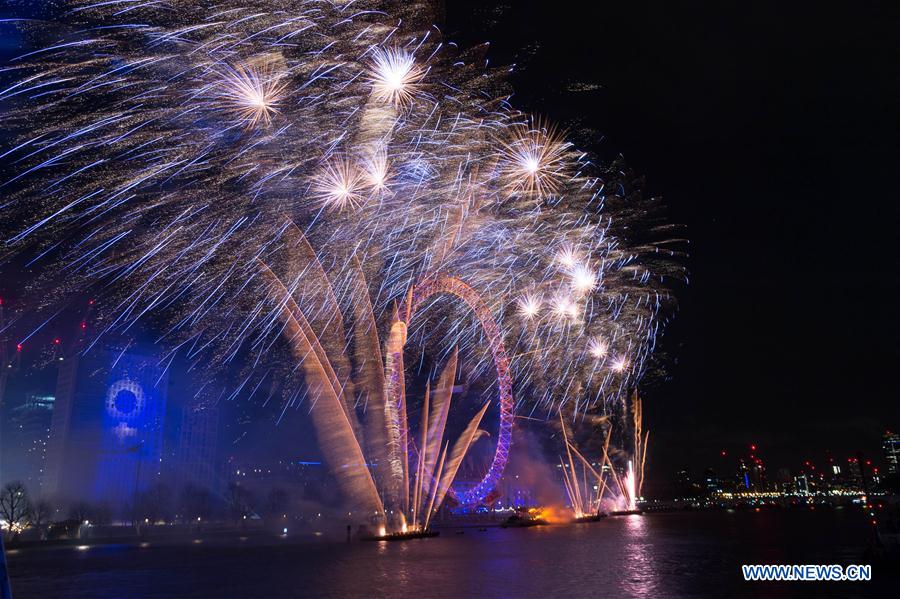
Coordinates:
(666, 555)
(639, 578)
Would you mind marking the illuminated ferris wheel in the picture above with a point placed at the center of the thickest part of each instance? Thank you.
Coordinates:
(437, 284)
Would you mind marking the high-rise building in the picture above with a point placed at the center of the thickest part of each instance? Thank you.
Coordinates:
(854, 473)
(685, 485)
(106, 431)
(891, 446)
(712, 483)
(758, 479)
(194, 456)
(28, 431)
(743, 476)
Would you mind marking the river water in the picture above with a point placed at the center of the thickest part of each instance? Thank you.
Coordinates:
(655, 555)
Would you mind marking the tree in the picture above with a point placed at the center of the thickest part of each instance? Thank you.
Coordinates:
(81, 511)
(40, 515)
(102, 515)
(15, 507)
(277, 503)
(240, 501)
(155, 503)
(196, 502)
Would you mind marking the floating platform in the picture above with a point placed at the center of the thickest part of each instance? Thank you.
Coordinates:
(627, 513)
(514, 522)
(593, 518)
(403, 536)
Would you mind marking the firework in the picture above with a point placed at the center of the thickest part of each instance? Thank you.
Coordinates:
(341, 185)
(394, 76)
(159, 154)
(530, 306)
(583, 279)
(251, 94)
(534, 160)
(598, 348)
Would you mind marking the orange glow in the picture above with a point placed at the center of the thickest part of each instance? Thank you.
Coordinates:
(551, 513)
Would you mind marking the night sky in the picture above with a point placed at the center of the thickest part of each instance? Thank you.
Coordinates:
(770, 128)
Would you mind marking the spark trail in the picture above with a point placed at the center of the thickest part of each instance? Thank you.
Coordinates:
(157, 153)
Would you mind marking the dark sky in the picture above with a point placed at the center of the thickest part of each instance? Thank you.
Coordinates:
(770, 128)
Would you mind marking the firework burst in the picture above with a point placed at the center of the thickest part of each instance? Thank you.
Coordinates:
(250, 94)
(394, 76)
(530, 306)
(158, 154)
(342, 185)
(533, 160)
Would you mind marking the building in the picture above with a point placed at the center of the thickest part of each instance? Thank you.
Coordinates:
(685, 485)
(758, 479)
(28, 432)
(890, 445)
(106, 430)
(194, 456)
(712, 483)
(785, 482)
(743, 476)
(854, 473)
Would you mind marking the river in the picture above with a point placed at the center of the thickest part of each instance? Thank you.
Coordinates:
(693, 554)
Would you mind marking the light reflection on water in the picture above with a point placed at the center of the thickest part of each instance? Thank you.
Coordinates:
(662, 555)
(641, 580)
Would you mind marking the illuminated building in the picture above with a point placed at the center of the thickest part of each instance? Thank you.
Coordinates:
(890, 445)
(195, 451)
(785, 481)
(685, 484)
(854, 472)
(25, 445)
(106, 431)
(743, 475)
(712, 482)
(758, 476)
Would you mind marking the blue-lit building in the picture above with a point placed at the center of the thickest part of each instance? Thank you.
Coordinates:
(194, 456)
(106, 433)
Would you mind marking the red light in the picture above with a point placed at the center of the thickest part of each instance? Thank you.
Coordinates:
(724, 453)
(753, 448)
(868, 462)
(90, 302)
(56, 341)
(18, 347)
(83, 325)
